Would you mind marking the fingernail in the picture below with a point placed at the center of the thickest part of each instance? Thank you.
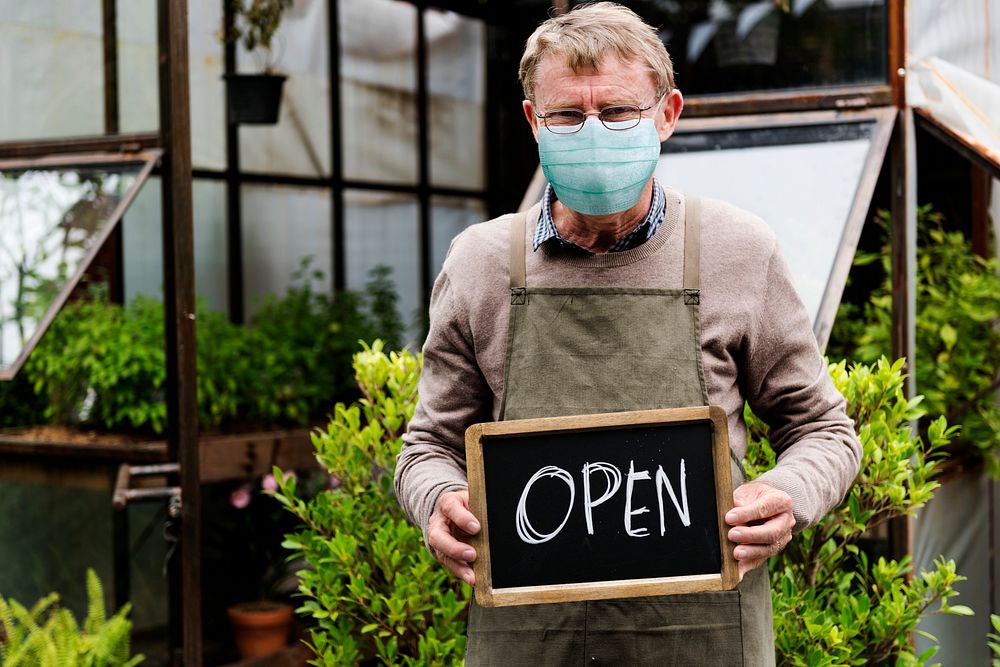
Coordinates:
(468, 578)
(468, 554)
(473, 527)
(740, 553)
(731, 516)
(735, 534)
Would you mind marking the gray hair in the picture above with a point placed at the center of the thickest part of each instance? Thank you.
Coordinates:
(588, 33)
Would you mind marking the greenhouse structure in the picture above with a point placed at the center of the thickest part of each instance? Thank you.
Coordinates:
(136, 180)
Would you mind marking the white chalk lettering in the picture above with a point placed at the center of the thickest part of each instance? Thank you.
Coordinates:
(682, 507)
(613, 480)
(629, 512)
(525, 530)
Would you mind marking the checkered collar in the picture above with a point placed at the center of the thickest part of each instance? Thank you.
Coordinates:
(546, 228)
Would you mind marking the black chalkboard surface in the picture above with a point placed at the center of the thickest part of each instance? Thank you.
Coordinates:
(601, 506)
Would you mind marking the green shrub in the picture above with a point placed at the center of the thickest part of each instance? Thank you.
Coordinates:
(49, 636)
(834, 604)
(993, 640)
(958, 337)
(104, 366)
(373, 589)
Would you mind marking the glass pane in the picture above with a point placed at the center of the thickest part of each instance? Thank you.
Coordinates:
(143, 244)
(456, 71)
(282, 228)
(382, 228)
(728, 46)
(378, 81)
(51, 222)
(963, 104)
(138, 83)
(51, 69)
(300, 143)
(800, 180)
(449, 216)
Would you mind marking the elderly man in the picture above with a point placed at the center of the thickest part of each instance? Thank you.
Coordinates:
(614, 293)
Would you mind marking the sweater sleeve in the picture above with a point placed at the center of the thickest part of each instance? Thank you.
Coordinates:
(452, 395)
(787, 384)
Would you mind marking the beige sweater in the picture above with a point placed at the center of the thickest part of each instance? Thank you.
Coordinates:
(757, 345)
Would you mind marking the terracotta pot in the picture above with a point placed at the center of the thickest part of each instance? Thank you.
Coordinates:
(260, 628)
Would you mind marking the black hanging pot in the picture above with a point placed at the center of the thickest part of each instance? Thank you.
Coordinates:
(254, 98)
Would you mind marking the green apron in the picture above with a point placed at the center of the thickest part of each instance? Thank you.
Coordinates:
(580, 351)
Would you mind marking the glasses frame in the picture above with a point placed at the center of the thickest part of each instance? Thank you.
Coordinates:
(573, 129)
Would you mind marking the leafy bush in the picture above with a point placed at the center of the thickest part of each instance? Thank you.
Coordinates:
(958, 337)
(834, 604)
(373, 589)
(103, 365)
(49, 636)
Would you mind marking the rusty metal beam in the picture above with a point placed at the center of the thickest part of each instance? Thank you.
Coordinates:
(896, 62)
(114, 143)
(839, 98)
(178, 280)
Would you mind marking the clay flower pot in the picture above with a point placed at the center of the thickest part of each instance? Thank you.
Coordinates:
(260, 628)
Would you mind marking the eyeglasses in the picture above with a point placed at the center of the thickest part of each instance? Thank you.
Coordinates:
(616, 117)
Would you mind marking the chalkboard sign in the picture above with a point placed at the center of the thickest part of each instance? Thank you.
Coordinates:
(592, 507)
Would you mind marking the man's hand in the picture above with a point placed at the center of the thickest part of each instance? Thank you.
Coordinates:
(451, 523)
(762, 523)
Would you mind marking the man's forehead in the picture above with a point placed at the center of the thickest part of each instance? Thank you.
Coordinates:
(628, 78)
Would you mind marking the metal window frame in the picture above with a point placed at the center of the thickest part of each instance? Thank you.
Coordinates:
(884, 119)
(147, 158)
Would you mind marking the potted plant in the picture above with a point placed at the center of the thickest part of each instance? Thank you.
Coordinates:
(263, 624)
(255, 98)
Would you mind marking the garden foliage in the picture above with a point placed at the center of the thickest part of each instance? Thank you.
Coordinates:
(373, 590)
(835, 603)
(104, 365)
(47, 635)
(958, 331)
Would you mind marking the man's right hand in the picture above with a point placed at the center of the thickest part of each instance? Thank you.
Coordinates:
(449, 525)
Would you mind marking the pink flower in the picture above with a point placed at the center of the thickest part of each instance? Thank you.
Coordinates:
(241, 496)
(269, 483)
(334, 482)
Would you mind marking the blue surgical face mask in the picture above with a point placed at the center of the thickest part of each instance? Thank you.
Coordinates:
(598, 171)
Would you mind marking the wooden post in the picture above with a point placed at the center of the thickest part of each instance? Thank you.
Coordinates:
(178, 297)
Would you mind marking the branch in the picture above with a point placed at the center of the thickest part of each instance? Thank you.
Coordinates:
(979, 395)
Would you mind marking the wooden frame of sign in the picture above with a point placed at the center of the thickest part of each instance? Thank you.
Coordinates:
(574, 570)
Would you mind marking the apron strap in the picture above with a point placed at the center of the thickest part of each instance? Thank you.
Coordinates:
(518, 222)
(692, 251)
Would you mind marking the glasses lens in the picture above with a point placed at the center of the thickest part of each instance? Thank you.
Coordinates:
(565, 121)
(620, 117)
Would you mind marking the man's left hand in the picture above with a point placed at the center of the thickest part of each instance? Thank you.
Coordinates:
(762, 524)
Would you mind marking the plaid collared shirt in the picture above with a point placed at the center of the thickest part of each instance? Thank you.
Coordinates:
(546, 228)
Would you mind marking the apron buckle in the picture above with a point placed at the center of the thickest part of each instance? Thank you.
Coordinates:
(517, 296)
(692, 297)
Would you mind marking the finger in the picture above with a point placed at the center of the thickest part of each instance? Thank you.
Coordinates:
(756, 551)
(765, 507)
(459, 568)
(455, 507)
(769, 532)
(439, 537)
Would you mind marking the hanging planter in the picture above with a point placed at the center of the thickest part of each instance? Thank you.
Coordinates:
(254, 98)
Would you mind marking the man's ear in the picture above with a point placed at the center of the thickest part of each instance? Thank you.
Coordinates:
(529, 114)
(670, 112)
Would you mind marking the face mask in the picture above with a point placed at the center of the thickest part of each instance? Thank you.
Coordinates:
(598, 171)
